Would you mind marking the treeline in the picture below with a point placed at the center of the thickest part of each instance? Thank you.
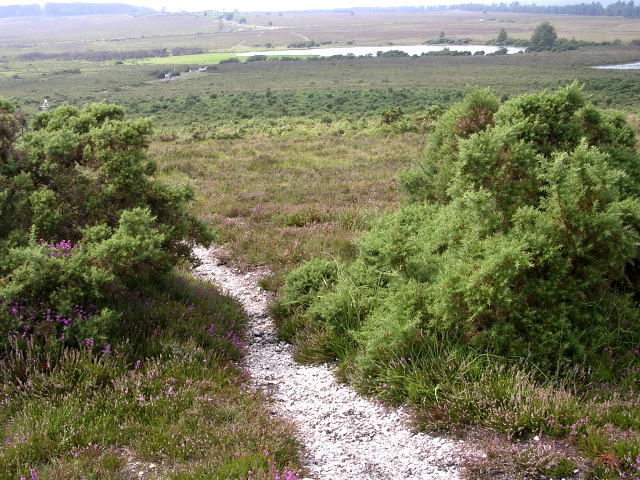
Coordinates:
(105, 55)
(97, 56)
(617, 9)
(70, 9)
(308, 44)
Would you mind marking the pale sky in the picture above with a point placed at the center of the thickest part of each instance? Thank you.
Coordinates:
(252, 5)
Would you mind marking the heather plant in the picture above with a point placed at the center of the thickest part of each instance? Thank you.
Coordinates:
(165, 387)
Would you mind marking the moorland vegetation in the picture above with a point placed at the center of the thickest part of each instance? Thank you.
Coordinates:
(503, 301)
(504, 294)
(110, 358)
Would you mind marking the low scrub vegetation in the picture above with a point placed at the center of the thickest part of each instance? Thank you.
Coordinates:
(111, 361)
(102, 56)
(504, 294)
(327, 106)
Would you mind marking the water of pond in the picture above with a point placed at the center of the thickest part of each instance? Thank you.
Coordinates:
(622, 66)
(364, 51)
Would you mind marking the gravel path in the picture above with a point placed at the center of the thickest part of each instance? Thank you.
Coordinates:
(344, 434)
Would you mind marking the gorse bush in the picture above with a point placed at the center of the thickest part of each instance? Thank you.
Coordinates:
(520, 240)
(503, 294)
(261, 107)
(82, 217)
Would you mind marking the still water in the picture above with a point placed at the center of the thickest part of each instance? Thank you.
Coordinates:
(622, 66)
(362, 51)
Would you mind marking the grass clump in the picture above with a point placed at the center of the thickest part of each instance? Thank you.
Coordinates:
(503, 294)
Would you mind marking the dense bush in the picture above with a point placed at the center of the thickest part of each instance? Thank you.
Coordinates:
(96, 332)
(99, 56)
(257, 58)
(227, 107)
(82, 218)
(521, 240)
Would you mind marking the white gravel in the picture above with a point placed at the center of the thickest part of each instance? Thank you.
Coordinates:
(344, 434)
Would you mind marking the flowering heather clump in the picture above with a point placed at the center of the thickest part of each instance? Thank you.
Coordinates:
(630, 468)
(33, 475)
(18, 318)
(228, 336)
(61, 249)
(563, 425)
(287, 475)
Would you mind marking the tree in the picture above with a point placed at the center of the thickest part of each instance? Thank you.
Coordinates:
(544, 37)
(503, 38)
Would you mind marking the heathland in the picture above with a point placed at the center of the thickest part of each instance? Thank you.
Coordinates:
(294, 160)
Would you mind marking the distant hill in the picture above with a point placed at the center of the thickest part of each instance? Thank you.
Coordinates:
(70, 9)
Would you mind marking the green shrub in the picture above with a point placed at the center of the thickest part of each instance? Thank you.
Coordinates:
(302, 285)
(431, 179)
(521, 241)
(82, 217)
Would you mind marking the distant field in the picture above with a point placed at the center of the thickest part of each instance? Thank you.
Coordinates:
(138, 82)
(190, 30)
(414, 28)
(227, 92)
(204, 58)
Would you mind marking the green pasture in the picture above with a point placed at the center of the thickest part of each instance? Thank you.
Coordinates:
(203, 58)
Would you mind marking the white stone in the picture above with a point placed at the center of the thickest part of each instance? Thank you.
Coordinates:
(343, 434)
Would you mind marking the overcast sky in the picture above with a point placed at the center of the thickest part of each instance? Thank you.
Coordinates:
(250, 5)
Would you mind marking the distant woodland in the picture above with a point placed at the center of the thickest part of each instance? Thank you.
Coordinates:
(69, 9)
(618, 9)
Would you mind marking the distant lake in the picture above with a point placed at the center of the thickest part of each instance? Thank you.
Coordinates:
(622, 66)
(363, 51)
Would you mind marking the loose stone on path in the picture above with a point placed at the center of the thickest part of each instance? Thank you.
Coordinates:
(344, 434)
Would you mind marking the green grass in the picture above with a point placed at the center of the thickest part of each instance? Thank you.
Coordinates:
(304, 193)
(200, 59)
(166, 398)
